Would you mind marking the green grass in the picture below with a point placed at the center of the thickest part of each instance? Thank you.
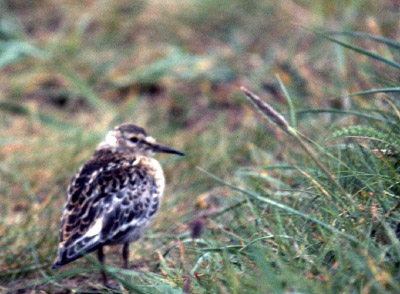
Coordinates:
(309, 210)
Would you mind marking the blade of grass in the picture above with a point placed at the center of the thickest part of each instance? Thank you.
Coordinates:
(378, 39)
(360, 50)
(377, 91)
(336, 111)
(284, 207)
(395, 109)
(289, 101)
(264, 176)
(14, 51)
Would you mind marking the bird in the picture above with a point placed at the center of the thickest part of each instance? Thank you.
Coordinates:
(113, 197)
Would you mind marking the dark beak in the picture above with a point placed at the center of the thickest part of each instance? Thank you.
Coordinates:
(165, 149)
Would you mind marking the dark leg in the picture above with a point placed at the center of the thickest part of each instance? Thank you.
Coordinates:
(125, 255)
(100, 256)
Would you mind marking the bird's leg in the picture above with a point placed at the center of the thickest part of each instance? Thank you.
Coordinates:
(101, 258)
(125, 255)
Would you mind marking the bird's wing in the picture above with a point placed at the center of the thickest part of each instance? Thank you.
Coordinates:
(106, 200)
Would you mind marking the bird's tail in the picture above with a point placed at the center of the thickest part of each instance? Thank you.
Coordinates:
(70, 252)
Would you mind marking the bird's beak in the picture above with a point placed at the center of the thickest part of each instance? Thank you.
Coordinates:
(165, 149)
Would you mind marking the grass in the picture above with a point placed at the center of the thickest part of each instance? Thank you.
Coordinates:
(309, 205)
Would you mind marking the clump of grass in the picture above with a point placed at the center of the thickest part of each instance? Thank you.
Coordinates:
(341, 233)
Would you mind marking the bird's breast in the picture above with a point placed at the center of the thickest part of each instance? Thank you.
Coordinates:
(157, 172)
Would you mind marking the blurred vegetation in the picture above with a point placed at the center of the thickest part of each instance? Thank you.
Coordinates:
(247, 210)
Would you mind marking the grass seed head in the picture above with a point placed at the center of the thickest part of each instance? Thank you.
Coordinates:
(268, 111)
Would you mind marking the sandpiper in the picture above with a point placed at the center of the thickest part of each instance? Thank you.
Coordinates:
(113, 197)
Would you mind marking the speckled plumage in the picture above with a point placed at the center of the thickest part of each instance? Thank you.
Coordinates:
(114, 196)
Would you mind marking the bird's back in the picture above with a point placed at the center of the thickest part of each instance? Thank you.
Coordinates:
(111, 200)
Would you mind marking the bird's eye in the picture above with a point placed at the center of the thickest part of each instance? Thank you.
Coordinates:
(134, 140)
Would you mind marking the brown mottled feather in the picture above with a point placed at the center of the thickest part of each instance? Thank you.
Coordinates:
(115, 186)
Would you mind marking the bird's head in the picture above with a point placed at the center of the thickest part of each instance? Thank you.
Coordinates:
(136, 139)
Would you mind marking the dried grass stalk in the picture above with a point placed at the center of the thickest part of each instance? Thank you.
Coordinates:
(269, 112)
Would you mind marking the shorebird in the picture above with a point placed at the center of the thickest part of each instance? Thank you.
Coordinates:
(113, 197)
